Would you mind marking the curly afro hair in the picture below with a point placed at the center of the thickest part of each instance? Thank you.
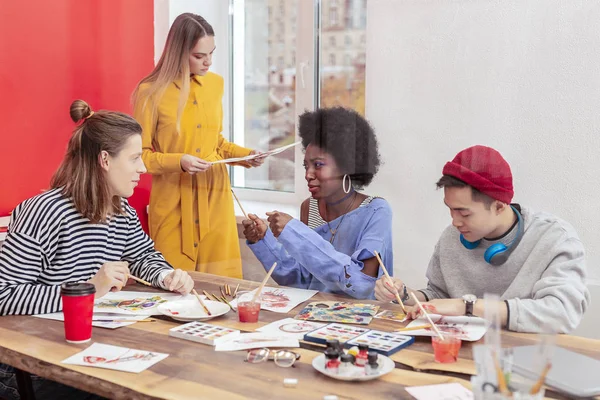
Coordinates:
(347, 136)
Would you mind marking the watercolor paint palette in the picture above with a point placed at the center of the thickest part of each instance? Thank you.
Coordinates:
(385, 343)
(203, 333)
(343, 333)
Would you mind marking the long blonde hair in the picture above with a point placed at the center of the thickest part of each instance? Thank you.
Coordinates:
(80, 176)
(174, 64)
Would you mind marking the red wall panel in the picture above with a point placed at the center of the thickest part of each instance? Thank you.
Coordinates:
(52, 52)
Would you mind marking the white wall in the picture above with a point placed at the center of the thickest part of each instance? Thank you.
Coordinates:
(521, 76)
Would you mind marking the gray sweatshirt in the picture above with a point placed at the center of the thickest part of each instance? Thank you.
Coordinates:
(542, 282)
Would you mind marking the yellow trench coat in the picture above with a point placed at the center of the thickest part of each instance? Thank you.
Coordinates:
(191, 217)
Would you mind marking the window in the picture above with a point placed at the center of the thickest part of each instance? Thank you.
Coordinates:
(268, 92)
(344, 85)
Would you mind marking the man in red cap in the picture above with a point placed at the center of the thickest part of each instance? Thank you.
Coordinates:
(532, 260)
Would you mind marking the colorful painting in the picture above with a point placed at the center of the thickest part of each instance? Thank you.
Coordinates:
(282, 300)
(342, 312)
(115, 357)
(466, 328)
(397, 316)
(135, 303)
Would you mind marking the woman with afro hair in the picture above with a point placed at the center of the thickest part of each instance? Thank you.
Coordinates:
(332, 248)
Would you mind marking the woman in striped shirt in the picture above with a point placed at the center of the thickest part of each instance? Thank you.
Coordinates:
(83, 229)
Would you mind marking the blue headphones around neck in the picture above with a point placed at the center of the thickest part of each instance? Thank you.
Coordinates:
(498, 253)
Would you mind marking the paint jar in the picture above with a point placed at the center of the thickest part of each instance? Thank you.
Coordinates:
(346, 364)
(332, 360)
(372, 367)
(446, 351)
(248, 307)
(363, 355)
(334, 344)
(78, 307)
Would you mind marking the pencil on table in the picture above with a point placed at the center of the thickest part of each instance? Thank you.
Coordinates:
(201, 302)
(390, 279)
(227, 289)
(236, 290)
(222, 292)
(143, 282)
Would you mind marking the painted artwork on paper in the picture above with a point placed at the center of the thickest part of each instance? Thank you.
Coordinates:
(342, 312)
(467, 328)
(397, 316)
(133, 305)
(282, 300)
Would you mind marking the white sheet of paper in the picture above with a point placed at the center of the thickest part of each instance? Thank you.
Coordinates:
(135, 303)
(253, 156)
(100, 320)
(256, 340)
(283, 299)
(469, 329)
(291, 328)
(115, 357)
(444, 391)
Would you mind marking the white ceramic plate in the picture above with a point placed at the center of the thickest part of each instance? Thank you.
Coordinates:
(386, 365)
(191, 310)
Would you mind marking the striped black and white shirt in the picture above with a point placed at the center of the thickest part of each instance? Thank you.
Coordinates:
(49, 243)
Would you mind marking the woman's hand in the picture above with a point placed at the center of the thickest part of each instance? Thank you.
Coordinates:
(179, 281)
(111, 277)
(254, 228)
(192, 165)
(258, 161)
(277, 221)
(385, 289)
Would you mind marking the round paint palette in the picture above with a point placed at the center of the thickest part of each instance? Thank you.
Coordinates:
(386, 365)
(191, 310)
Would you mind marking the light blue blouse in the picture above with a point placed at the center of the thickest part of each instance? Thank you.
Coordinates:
(305, 258)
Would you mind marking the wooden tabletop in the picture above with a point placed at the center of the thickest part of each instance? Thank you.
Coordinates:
(196, 371)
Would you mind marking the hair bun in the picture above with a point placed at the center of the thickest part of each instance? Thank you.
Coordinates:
(80, 110)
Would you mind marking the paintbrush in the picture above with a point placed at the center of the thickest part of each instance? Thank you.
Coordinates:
(229, 304)
(143, 282)
(262, 285)
(413, 328)
(201, 302)
(390, 280)
(427, 316)
(239, 204)
(538, 385)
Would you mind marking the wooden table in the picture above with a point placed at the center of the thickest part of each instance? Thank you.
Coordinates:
(196, 371)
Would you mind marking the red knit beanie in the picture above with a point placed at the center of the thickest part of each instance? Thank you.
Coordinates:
(484, 169)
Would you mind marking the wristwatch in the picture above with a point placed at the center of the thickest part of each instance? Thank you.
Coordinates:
(405, 296)
(469, 300)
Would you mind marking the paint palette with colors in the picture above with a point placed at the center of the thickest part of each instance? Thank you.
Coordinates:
(191, 310)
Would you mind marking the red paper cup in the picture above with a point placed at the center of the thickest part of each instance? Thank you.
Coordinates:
(78, 307)
(248, 310)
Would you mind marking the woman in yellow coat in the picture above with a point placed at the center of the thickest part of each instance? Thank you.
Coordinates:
(191, 216)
